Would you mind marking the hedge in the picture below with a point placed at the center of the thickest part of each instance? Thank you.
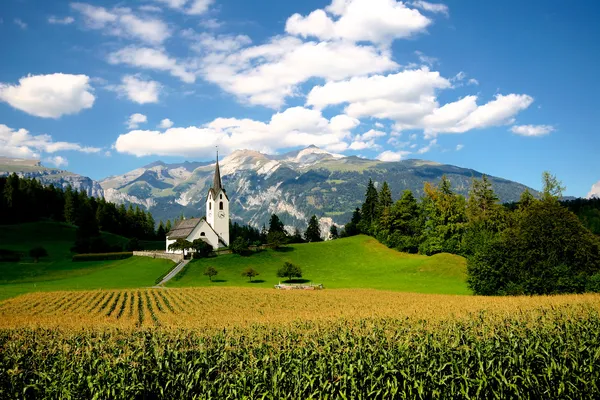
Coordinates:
(102, 256)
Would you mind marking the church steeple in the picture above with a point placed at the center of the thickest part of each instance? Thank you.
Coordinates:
(217, 186)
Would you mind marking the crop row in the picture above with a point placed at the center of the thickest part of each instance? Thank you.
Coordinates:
(549, 353)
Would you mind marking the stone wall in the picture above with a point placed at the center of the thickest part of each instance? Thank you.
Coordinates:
(159, 254)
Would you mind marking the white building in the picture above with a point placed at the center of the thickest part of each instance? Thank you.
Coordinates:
(214, 228)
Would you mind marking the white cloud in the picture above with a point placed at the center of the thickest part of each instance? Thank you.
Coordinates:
(135, 120)
(193, 7)
(208, 43)
(60, 21)
(532, 130)
(361, 145)
(269, 73)
(138, 90)
(49, 96)
(20, 143)
(409, 86)
(428, 60)
(372, 134)
(473, 81)
(57, 161)
(427, 148)
(459, 147)
(392, 156)
(150, 9)
(293, 127)
(594, 191)
(165, 123)
(376, 21)
(122, 22)
(153, 59)
(20, 23)
(431, 7)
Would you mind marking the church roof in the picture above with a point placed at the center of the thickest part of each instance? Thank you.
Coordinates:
(217, 184)
(183, 228)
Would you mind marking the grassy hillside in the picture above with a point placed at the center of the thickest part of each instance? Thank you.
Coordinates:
(357, 262)
(58, 272)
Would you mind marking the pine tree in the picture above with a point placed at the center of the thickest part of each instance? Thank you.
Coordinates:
(313, 231)
(553, 188)
(168, 226)
(369, 208)
(160, 232)
(385, 196)
(333, 232)
(275, 224)
(70, 210)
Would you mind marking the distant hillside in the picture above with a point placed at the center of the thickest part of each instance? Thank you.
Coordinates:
(294, 185)
(60, 178)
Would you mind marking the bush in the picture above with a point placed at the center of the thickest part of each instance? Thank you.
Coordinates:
(239, 246)
(133, 245)
(9, 256)
(593, 283)
(38, 252)
(102, 256)
(202, 249)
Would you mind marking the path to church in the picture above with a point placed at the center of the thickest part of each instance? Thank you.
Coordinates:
(173, 272)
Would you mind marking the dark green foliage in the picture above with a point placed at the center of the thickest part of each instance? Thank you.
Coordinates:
(313, 231)
(588, 211)
(201, 248)
(180, 245)
(352, 228)
(369, 209)
(210, 272)
(547, 251)
(9, 256)
(333, 232)
(239, 246)
(133, 245)
(250, 273)
(246, 232)
(289, 270)
(276, 239)
(102, 256)
(37, 252)
(296, 237)
(275, 224)
(160, 232)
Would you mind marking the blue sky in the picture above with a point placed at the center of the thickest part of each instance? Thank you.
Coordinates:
(507, 88)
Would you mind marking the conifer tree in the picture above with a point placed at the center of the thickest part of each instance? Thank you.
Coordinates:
(369, 208)
(313, 231)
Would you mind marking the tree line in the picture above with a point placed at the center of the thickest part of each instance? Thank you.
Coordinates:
(535, 246)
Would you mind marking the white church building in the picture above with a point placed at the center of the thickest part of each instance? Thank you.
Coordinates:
(214, 228)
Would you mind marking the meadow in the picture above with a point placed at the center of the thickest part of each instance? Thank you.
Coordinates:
(355, 262)
(58, 272)
(262, 343)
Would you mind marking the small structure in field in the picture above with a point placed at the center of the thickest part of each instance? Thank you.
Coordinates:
(283, 286)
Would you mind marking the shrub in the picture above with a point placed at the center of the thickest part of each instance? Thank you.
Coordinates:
(38, 252)
(239, 246)
(102, 256)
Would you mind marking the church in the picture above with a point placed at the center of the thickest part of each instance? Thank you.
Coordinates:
(214, 228)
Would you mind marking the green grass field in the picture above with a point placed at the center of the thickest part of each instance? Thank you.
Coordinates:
(356, 262)
(58, 272)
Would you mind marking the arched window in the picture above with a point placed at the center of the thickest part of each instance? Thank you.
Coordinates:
(221, 196)
(220, 205)
(202, 234)
(210, 206)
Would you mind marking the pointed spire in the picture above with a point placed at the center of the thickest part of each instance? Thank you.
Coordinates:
(217, 186)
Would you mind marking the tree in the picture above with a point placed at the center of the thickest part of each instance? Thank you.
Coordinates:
(70, 209)
(289, 270)
(250, 273)
(405, 224)
(296, 237)
(313, 231)
(180, 245)
(239, 246)
(333, 232)
(526, 200)
(553, 188)
(352, 227)
(547, 251)
(37, 252)
(276, 239)
(385, 198)
(201, 248)
(160, 232)
(133, 244)
(210, 272)
(369, 208)
(168, 226)
(275, 224)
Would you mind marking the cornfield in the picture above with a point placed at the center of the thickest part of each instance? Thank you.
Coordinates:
(252, 343)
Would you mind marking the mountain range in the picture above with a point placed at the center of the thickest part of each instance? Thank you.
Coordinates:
(294, 185)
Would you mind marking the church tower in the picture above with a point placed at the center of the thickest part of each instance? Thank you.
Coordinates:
(217, 206)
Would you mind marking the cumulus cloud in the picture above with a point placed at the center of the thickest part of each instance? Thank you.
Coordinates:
(139, 90)
(135, 120)
(392, 156)
(123, 22)
(594, 191)
(293, 127)
(153, 59)
(193, 7)
(60, 21)
(165, 123)
(57, 161)
(372, 134)
(49, 96)
(426, 149)
(20, 23)
(376, 21)
(21, 144)
(430, 7)
(268, 73)
(532, 130)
